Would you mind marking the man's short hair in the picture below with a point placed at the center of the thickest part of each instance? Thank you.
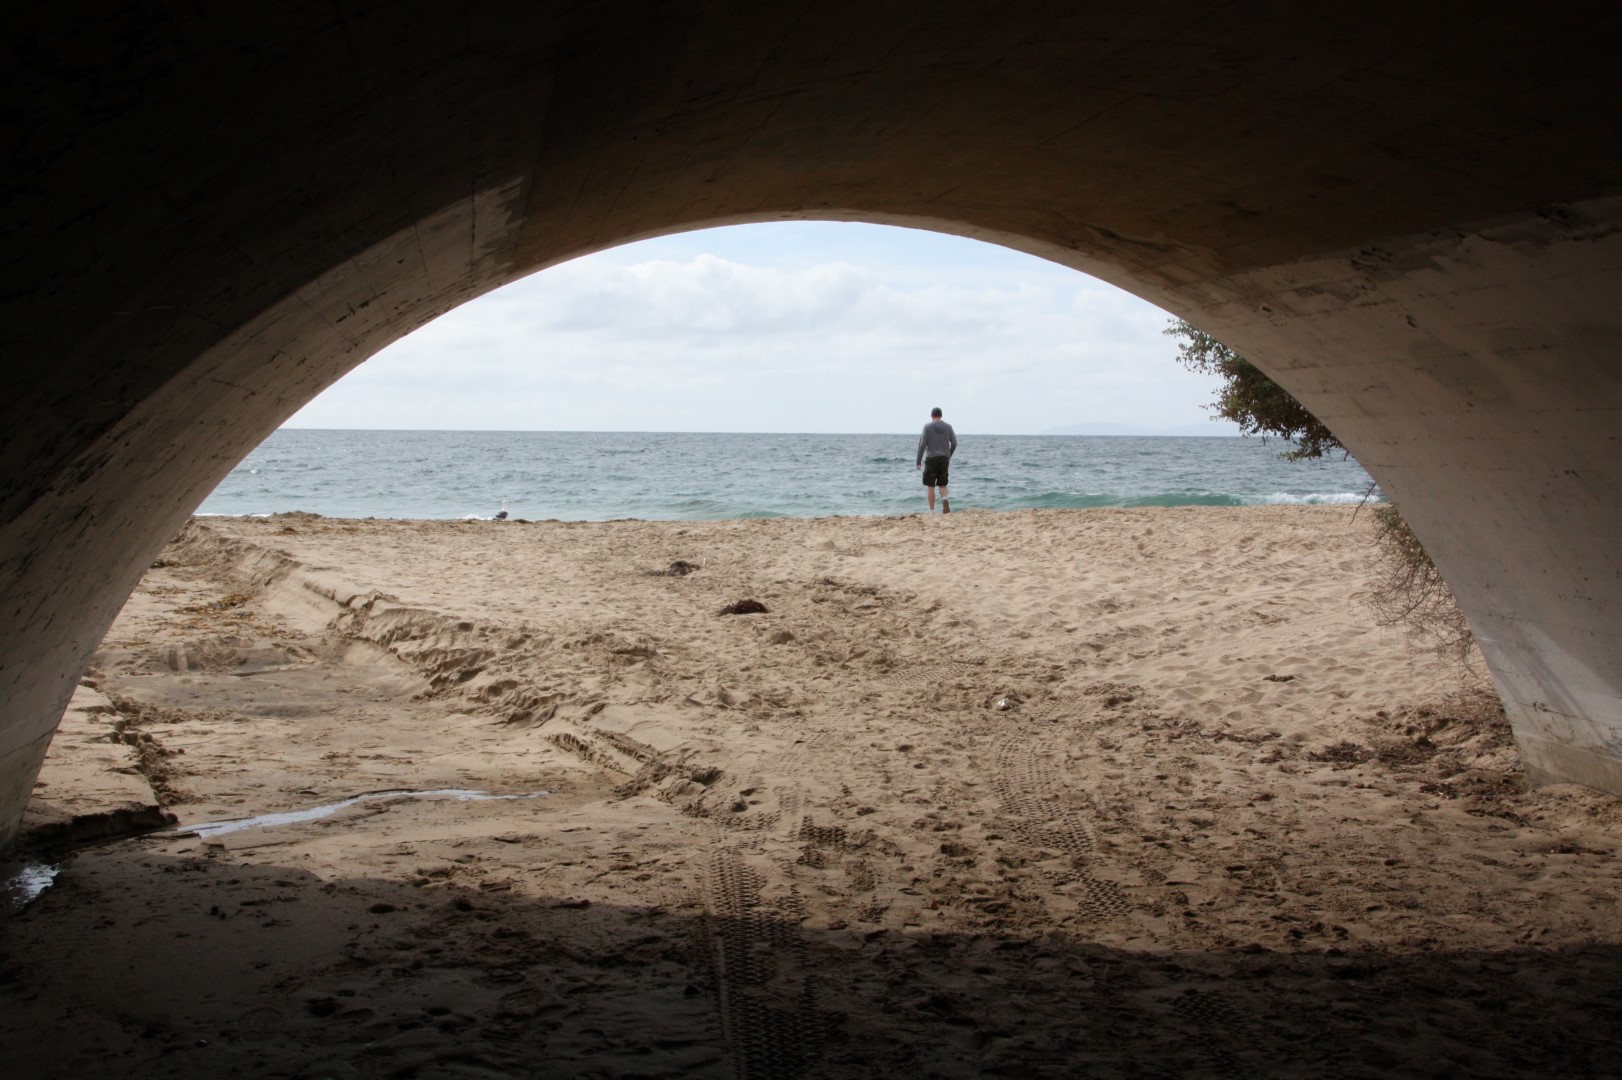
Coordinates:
(936, 411)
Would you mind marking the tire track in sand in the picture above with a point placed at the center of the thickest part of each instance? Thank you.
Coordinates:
(762, 968)
(1026, 786)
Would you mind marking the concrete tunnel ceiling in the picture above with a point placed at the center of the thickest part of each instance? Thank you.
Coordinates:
(1409, 215)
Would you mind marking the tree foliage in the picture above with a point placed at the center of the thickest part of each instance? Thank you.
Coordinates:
(1408, 589)
(1249, 398)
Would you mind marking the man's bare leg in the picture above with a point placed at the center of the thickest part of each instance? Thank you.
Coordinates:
(946, 504)
(931, 493)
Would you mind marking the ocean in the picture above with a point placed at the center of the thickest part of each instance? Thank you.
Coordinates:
(597, 476)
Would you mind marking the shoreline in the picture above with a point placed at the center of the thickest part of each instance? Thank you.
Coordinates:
(1342, 500)
(998, 791)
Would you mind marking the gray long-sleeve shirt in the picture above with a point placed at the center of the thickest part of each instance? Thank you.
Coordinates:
(938, 440)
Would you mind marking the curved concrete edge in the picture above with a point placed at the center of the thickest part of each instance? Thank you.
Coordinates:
(1550, 762)
(19, 768)
(1439, 362)
(1473, 374)
(77, 551)
(1563, 700)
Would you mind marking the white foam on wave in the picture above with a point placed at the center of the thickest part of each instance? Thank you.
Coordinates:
(1320, 498)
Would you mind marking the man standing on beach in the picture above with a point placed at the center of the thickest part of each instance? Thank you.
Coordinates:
(935, 449)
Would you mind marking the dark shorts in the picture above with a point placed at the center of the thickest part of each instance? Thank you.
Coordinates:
(935, 470)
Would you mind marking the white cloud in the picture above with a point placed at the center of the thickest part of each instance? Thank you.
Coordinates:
(687, 338)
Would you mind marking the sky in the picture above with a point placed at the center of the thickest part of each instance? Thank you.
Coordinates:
(784, 327)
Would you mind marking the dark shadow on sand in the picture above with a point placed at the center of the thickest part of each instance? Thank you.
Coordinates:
(265, 971)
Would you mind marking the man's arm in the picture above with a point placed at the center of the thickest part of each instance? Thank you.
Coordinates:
(919, 463)
(951, 435)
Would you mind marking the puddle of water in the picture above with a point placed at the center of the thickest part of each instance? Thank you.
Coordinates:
(21, 884)
(293, 817)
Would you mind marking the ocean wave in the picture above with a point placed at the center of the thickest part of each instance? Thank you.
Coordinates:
(1325, 498)
(1073, 500)
(1069, 500)
(588, 477)
(1053, 500)
(1187, 498)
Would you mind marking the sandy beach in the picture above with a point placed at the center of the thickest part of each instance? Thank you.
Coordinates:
(1104, 793)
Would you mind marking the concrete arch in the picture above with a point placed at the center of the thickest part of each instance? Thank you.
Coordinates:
(1409, 216)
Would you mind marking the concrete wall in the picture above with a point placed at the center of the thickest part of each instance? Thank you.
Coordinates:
(1405, 213)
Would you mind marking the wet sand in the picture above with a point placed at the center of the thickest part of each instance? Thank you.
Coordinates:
(1116, 793)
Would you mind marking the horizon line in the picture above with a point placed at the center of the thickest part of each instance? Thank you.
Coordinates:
(1159, 433)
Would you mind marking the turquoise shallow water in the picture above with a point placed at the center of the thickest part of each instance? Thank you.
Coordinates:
(595, 476)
